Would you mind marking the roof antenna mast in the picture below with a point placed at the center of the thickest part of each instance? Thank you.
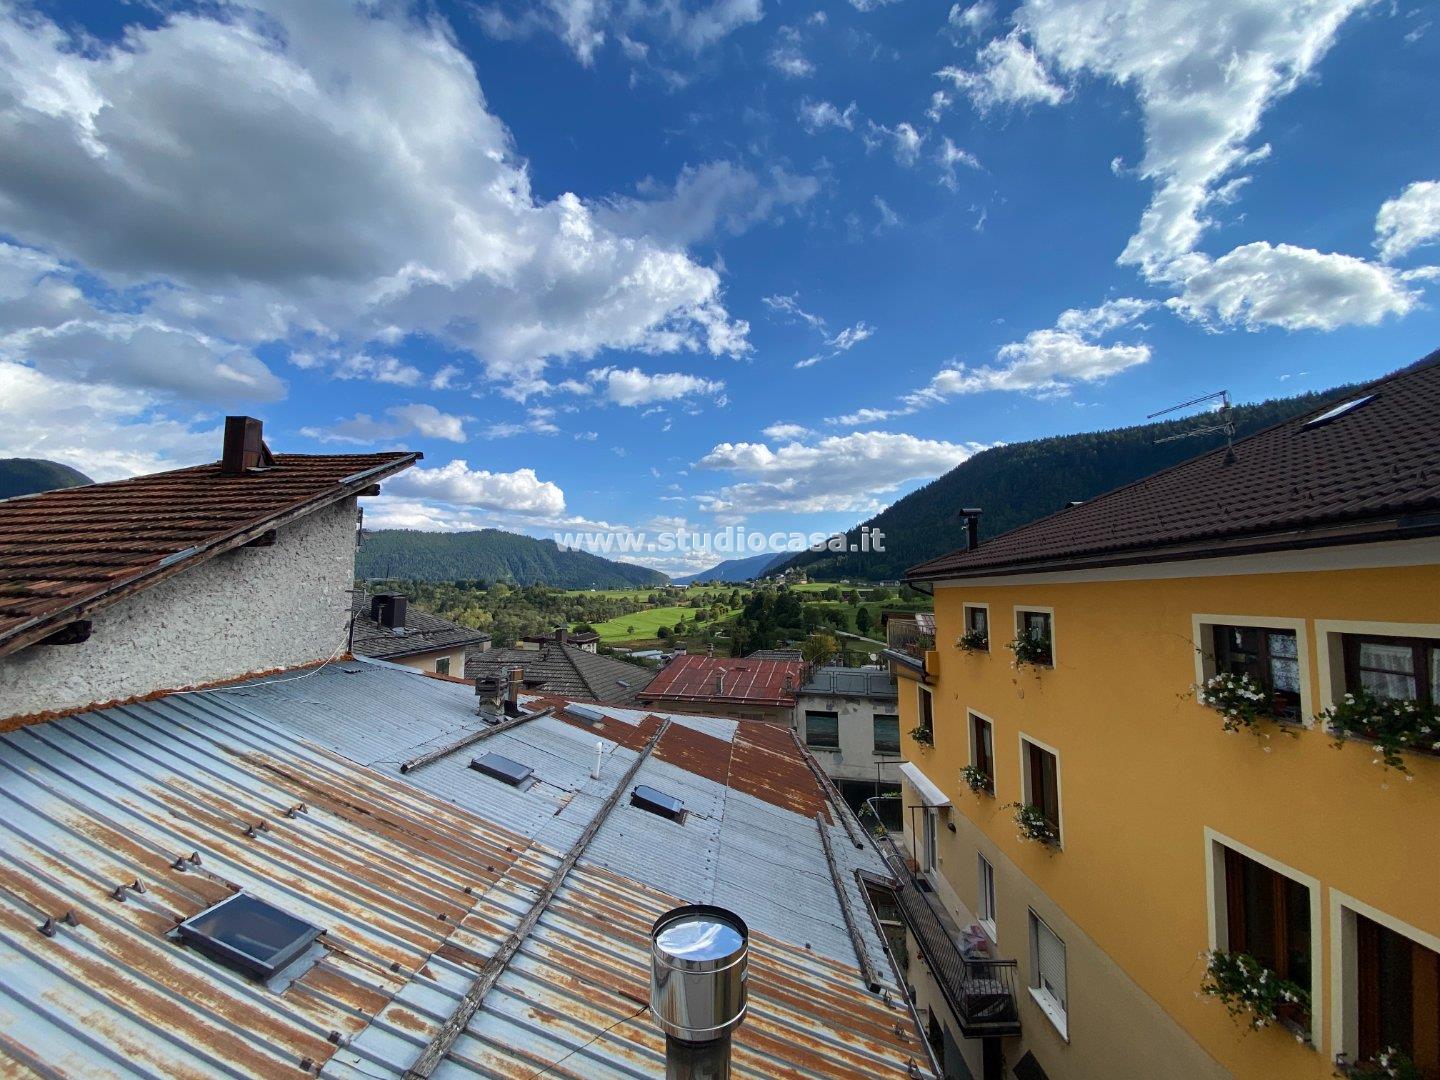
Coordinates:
(1226, 424)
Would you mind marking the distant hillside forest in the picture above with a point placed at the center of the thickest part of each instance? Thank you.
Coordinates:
(26, 476)
(1022, 482)
(492, 555)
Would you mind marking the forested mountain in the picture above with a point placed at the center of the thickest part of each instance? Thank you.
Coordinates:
(736, 569)
(26, 476)
(1019, 483)
(492, 555)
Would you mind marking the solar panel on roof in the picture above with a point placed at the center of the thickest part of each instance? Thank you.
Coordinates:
(249, 935)
(502, 768)
(657, 802)
(1339, 411)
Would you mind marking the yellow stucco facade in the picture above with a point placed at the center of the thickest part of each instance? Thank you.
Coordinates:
(1149, 784)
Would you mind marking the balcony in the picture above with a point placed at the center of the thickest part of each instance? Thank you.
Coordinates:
(982, 992)
(910, 640)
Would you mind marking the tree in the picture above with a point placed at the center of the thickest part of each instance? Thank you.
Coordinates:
(663, 633)
(818, 648)
(862, 620)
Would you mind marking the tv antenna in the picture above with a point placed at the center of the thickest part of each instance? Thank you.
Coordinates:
(1226, 424)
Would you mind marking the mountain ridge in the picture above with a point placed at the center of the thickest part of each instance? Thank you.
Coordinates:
(492, 555)
(28, 476)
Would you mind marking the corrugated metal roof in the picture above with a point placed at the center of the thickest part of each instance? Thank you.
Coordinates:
(709, 678)
(383, 863)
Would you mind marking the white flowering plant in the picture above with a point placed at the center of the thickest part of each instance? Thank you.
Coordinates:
(1391, 725)
(1241, 701)
(973, 641)
(1252, 992)
(924, 735)
(1030, 649)
(1387, 1064)
(1033, 824)
(977, 780)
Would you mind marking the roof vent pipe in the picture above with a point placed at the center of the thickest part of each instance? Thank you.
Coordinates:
(971, 516)
(512, 690)
(599, 759)
(719, 683)
(699, 955)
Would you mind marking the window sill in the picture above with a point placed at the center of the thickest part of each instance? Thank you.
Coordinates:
(1052, 1011)
(991, 932)
(822, 749)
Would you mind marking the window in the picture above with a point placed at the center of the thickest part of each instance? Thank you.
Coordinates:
(1042, 782)
(987, 897)
(977, 620)
(1270, 658)
(1036, 625)
(1268, 916)
(1047, 971)
(442, 666)
(927, 710)
(930, 855)
(887, 733)
(822, 730)
(1397, 986)
(249, 935)
(1393, 667)
(982, 747)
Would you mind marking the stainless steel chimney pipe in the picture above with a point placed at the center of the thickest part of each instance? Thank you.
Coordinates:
(699, 957)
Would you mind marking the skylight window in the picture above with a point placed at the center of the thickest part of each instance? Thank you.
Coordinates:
(503, 769)
(657, 802)
(585, 712)
(1339, 411)
(249, 935)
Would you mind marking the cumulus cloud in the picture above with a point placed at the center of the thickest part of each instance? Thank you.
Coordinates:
(425, 421)
(632, 387)
(1006, 72)
(1259, 285)
(815, 115)
(1409, 220)
(459, 485)
(583, 25)
(786, 432)
(324, 173)
(837, 473)
(706, 198)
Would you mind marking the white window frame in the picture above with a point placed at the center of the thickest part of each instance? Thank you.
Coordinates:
(1217, 915)
(920, 691)
(1054, 1011)
(1345, 958)
(1040, 609)
(930, 840)
(970, 737)
(1203, 638)
(1025, 780)
(966, 608)
(986, 903)
(1330, 655)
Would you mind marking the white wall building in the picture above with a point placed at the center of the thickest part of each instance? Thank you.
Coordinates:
(849, 718)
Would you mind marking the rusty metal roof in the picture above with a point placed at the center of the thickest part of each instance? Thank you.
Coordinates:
(416, 880)
(65, 554)
(748, 681)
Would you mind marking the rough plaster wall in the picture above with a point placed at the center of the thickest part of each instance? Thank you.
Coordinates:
(247, 610)
(855, 759)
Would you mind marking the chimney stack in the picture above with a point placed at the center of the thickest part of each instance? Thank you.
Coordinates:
(719, 682)
(388, 609)
(972, 527)
(512, 691)
(699, 956)
(244, 447)
(562, 635)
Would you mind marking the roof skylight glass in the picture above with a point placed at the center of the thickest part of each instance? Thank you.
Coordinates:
(657, 802)
(503, 769)
(249, 935)
(1339, 411)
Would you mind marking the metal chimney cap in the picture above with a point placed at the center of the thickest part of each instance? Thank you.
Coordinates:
(699, 956)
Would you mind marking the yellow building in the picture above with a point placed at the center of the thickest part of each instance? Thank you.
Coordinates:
(1271, 583)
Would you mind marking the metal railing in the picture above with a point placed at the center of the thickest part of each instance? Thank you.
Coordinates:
(905, 636)
(982, 993)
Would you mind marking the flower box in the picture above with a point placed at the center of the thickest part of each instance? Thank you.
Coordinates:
(1253, 993)
(1392, 726)
(1034, 825)
(1031, 650)
(973, 641)
(977, 780)
(1243, 704)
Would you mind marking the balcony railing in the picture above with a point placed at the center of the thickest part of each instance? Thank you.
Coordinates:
(982, 992)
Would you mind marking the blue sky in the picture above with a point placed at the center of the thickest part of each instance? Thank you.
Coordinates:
(627, 264)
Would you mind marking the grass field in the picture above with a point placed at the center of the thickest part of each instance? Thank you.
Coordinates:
(645, 625)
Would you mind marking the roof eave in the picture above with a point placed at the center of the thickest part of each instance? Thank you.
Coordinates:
(40, 627)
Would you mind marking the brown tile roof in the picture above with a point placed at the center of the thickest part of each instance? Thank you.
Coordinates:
(1366, 474)
(423, 632)
(66, 554)
(566, 670)
(747, 681)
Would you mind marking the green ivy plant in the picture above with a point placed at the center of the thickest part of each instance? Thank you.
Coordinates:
(973, 641)
(1392, 726)
(1251, 991)
(1033, 824)
(977, 780)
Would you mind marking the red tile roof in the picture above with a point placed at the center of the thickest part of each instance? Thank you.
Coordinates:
(748, 681)
(66, 554)
(1369, 473)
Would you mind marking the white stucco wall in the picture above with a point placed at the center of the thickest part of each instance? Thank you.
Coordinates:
(252, 609)
(856, 758)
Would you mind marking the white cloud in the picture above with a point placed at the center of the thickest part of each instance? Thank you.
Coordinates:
(1203, 73)
(950, 155)
(789, 307)
(786, 432)
(1006, 72)
(708, 197)
(837, 473)
(851, 336)
(582, 25)
(381, 369)
(320, 172)
(1409, 220)
(446, 377)
(904, 139)
(1111, 315)
(1295, 288)
(971, 20)
(815, 115)
(631, 387)
(787, 56)
(423, 420)
(940, 100)
(889, 219)
(866, 417)
(520, 492)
